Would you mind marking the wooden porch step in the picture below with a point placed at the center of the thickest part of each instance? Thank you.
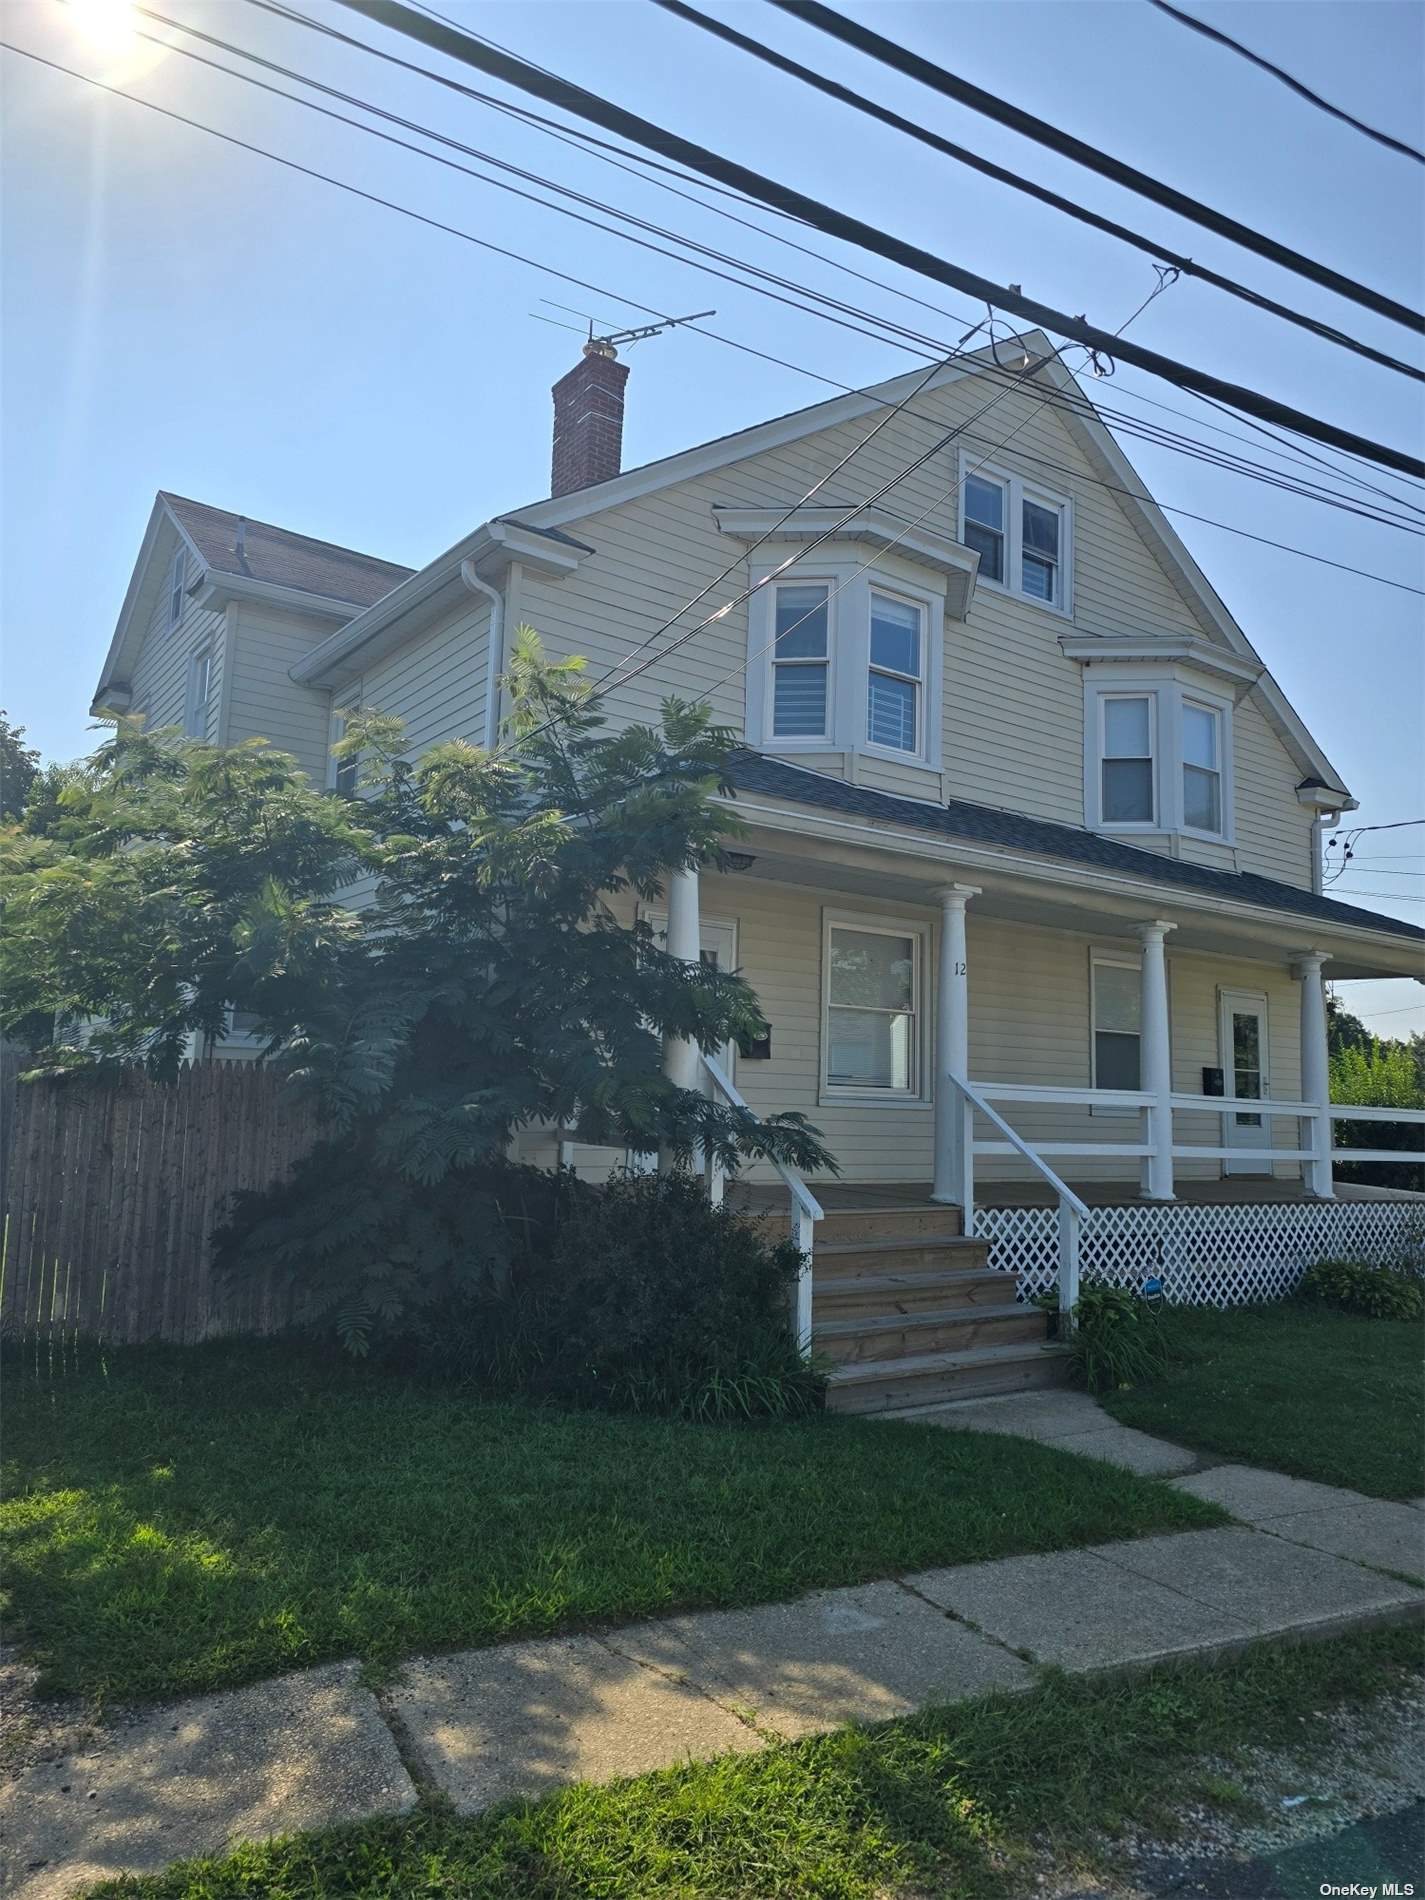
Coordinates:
(912, 1253)
(872, 1225)
(842, 1296)
(938, 1330)
(891, 1385)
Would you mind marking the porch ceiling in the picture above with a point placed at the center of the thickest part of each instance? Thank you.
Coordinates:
(898, 871)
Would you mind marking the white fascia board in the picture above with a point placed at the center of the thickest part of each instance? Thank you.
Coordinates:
(1204, 656)
(1154, 895)
(493, 546)
(958, 565)
(217, 589)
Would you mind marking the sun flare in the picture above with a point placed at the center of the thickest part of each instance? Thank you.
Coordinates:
(109, 27)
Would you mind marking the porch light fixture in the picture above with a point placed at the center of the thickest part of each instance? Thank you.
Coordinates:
(739, 860)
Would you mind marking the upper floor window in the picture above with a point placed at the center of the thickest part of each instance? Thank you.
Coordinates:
(177, 574)
(1021, 534)
(847, 661)
(195, 705)
(801, 663)
(343, 774)
(1158, 757)
(894, 676)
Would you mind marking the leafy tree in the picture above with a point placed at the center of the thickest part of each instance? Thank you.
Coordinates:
(1378, 1074)
(493, 981)
(19, 767)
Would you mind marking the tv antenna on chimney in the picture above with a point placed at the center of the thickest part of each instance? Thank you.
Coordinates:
(606, 344)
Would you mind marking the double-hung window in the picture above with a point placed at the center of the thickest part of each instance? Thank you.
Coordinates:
(895, 673)
(1022, 535)
(1126, 759)
(872, 1032)
(1117, 1005)
(1202, 767)
(801, 662)
(986, 510)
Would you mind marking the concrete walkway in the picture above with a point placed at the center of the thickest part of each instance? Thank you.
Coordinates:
(521, 1719)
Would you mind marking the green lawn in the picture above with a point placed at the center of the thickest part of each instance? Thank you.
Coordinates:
(185, 1518)
(1321, 1395)
(955, 1802)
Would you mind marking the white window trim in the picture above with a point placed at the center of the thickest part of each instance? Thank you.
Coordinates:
(800, 741)
(877, 924)
(177, 577)
(849, 585)
(347, 700)
(196, 707)
(1168, 692)
(918, 754)
(1017, 492)
(1122, 960)
(1105, 698)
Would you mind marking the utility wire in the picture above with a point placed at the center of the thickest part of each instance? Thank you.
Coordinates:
(602, 291)
(581, 139)
(949, 85)
(1017, 182)
(1287, 79)
(589, 105)
(1145, 431)
(1133, 426)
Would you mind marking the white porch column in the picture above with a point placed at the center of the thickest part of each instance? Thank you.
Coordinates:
(953, 1119)
(680, 1057)
(1157, 1076)
(1316, 1070)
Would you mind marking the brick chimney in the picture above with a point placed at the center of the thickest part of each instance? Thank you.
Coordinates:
(588, 420)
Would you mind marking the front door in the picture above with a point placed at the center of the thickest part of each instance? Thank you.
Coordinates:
(1242, 1045)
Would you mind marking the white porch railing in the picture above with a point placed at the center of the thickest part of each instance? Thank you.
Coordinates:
(805, 1209)
(1072, 1211)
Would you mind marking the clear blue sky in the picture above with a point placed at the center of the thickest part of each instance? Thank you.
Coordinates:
(181, 314)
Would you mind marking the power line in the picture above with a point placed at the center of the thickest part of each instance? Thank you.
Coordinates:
(1288, 79)
(1017, 182)
(902, 60)
(1145, 431)
(648, 170)
(588, 105)
(1395, 897)
(600, 290)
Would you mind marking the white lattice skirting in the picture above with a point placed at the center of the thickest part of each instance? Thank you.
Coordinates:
(1205, 1256)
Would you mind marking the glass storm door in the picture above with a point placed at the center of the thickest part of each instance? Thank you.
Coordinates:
(1242, 1032)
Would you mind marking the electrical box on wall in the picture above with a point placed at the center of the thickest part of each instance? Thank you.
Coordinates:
(1213, 1082)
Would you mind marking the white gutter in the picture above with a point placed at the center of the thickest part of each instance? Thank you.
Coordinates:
(494, 646)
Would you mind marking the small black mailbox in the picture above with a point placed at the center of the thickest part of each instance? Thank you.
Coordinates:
(1213, 1082)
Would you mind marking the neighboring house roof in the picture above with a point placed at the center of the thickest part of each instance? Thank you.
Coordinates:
(1016, 831)
(285, 559)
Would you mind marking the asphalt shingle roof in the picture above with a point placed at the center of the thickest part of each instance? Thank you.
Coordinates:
(987, 824)
(286, 559)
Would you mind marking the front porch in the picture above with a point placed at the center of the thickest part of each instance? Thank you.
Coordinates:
(767, 1197)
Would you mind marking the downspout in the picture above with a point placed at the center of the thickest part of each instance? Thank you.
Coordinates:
(494, 646)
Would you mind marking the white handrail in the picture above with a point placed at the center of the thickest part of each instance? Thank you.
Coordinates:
(1356, 1113)
(806, 1208)
(1072, 1210)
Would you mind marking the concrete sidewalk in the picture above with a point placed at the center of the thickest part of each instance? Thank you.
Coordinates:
(521, 1719)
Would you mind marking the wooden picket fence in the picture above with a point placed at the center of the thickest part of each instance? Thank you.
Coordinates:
(109, 1195)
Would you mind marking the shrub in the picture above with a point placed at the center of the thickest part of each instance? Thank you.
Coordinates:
(1118, 1337)
(651, 1299)
(1352, 1286)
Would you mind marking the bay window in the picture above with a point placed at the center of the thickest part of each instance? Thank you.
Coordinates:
(1127, 759)
(1202, 769)
(872, 1014)
(801, 662)
(894, 673)
(1021, 533)
(1157, 755)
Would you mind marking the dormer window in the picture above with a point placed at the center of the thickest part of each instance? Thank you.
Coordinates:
(1158, 756)
(177, 574)
(801, 662)
(1021, 533)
